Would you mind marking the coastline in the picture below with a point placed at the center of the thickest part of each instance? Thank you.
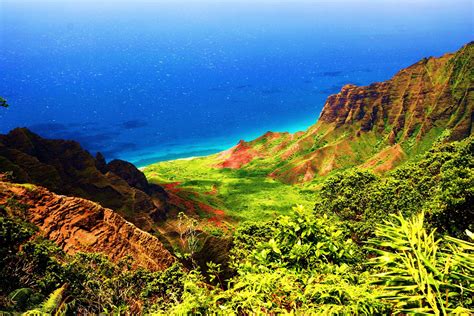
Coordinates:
(189, 150)
(142, 168)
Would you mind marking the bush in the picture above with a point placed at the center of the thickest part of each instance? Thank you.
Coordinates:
(305, 242)
(441, 183)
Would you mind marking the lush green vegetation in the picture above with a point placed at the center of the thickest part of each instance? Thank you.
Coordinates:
(370, 245)
(38, 277)
(312, 266)
(441, 184)
(309, 266)
(239, 192)
(3, 102)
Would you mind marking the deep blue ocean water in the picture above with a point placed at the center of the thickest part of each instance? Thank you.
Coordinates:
(148, 81)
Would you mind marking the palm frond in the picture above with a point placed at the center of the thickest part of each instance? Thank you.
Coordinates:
(421, 273)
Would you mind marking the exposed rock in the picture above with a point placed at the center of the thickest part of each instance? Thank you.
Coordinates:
(360, 126)
(100, 163)
(434, 92)
(66, 168)
(135, 178)
(76, 224)
(127, 171)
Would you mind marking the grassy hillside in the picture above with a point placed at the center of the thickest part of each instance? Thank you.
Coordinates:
(243, 194)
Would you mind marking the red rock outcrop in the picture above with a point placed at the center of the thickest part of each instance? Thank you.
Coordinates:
(76, 224)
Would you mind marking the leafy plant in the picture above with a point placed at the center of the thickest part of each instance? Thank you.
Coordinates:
(51, 306)
(305, 241)
(421, 273)
(188, 234)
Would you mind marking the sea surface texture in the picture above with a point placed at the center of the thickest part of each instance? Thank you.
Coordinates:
(149, 81)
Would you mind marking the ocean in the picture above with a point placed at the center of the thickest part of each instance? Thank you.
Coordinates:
(151, 81)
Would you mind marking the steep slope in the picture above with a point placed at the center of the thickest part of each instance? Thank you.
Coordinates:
(64, 167)
(76, 224)
(376, 126)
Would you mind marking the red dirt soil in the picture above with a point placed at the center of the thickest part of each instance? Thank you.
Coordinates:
(238, 156)
(191, 206)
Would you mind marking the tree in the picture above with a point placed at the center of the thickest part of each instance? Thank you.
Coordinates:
(3, 102)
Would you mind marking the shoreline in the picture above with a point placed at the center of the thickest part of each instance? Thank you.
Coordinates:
(207, 147)
(187, 158)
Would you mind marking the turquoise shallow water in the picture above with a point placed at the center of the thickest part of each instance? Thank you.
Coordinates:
(148, 82)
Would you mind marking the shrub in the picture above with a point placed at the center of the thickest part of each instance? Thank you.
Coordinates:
(304, 242)
(441, 183)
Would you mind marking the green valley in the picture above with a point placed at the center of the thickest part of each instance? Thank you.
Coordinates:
(243, 194)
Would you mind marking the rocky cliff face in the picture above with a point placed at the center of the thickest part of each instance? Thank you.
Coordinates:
(375, 126)
(76, 224)
(64, 167)
(434, 92)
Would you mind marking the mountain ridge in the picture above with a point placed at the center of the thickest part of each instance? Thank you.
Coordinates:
(64, 167)
(375, 126)
(79, 225)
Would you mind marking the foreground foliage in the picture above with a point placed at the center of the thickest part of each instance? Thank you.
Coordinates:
(441, 183)
(372, 245)
(421, 273)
